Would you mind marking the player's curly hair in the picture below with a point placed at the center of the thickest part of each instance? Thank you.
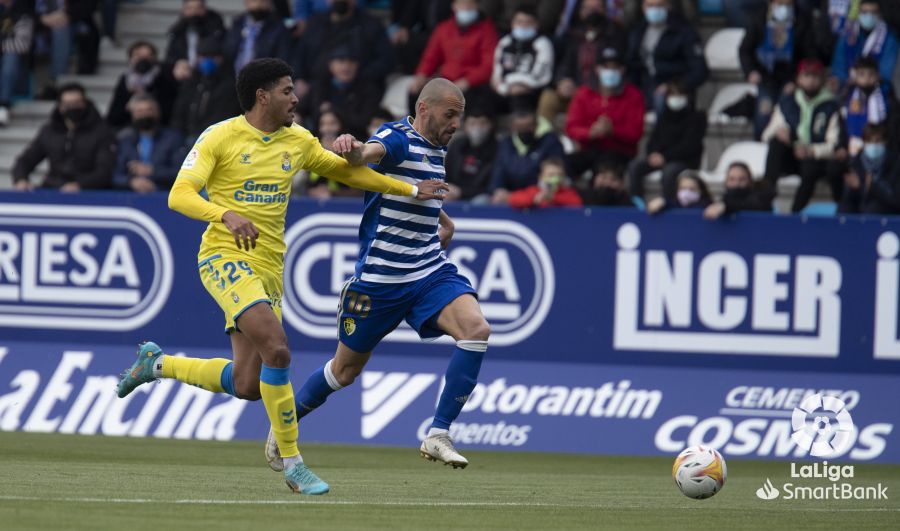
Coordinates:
(259, 74)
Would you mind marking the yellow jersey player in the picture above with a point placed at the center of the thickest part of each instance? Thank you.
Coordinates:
(246, 164)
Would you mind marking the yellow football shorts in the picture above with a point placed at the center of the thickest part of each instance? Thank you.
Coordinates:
(237, 284)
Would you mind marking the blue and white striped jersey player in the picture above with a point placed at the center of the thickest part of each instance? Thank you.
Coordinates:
(403, 272)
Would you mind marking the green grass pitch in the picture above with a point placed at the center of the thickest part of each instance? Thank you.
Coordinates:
(51, 482)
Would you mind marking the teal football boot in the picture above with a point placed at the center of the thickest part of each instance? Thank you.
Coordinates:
(141, 371)
(302, 480)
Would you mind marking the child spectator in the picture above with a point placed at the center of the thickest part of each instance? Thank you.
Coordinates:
(692, 192)
(607, 188)
(675, 144)
(554, 189)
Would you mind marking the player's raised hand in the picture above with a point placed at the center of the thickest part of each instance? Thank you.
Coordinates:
(350, 148)
(432, 189)
(244, 231)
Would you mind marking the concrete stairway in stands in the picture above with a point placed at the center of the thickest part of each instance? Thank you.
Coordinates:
(149, 20)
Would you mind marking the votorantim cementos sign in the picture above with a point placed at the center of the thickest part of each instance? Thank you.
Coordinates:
(628, 334)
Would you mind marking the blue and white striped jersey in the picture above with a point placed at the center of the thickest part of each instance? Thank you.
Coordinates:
(399, 235)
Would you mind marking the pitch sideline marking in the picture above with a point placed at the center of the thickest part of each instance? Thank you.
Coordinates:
(317, 501)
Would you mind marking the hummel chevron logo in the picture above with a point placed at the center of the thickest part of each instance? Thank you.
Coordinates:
(287, 417)
(386, 395)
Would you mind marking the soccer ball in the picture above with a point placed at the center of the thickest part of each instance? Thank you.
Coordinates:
(699, 472)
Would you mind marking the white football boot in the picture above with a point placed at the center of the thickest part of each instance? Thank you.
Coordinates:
(273, 455)
(439, 447)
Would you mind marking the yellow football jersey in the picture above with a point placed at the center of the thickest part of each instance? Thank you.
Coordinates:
(249, 172)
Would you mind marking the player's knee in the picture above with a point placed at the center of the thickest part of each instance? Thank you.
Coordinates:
(477, 330)
(276, 354)
(247, 389)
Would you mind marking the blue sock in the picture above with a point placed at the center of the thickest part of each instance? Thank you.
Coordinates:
(315, 390)
(462, 375)
(227, 379)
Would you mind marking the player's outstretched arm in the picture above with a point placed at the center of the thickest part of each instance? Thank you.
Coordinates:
(367, 179)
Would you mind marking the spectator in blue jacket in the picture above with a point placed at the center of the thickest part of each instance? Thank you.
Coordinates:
(519, 155)
(871, 185)
(257, 33)
(867, 36)
(149, 155)
(663, 47)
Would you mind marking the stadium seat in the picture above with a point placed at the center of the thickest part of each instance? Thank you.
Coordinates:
(722, 49)
(824, 210)
(396, 97)
(752, 153)
(728, 95)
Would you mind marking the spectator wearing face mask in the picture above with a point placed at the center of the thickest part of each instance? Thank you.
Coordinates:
(662, 47)
(523, 60)
(741, 194)
(145, 75)
(868, 102)
(208, 96)
(777, 38)
(553, 189)
(691, 192)
(607, 123)
(196, 23)
(872, 185)
(804, 136)
(501, 12)
(79, 146)
(470, 159)
(607, 188)
(519, 156)
(867, 36)
(149, 154)
(344, 91)
(675, 144)
(344, 24)
(461, 49)
(256, 33)
(590, 33)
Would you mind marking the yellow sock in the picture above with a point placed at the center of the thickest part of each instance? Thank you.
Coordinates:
(278, 397)
(204, 373)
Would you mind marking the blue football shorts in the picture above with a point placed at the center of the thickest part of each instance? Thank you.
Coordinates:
(371, 310)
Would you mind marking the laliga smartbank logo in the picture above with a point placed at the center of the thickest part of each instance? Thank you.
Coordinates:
(506, 262)
(81, 267)
(823, 428)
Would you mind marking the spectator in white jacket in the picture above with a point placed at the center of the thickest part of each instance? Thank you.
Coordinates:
(523, 60)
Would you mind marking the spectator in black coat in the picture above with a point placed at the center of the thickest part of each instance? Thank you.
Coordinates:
(663, 47)
(342, 90)
(741, 193)
(675, 144)
(196, 23)
(145, 75)
(257, 33)
(607, 188)
(872, 186)
(580, 47)
(208, 96)
(149, 154)
(776, 40)
(78, 144)
(470, 159)
(330, 30)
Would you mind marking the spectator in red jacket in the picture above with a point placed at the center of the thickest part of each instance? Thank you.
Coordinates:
(609, 123)
(553, 189)
(461, 49)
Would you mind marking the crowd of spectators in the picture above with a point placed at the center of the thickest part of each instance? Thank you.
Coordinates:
(558, 93)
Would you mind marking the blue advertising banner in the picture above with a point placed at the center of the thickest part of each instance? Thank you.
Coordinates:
(663, 330)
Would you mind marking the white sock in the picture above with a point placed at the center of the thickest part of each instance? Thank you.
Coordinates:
(437, 431)
(157, 368)
(292, 461)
